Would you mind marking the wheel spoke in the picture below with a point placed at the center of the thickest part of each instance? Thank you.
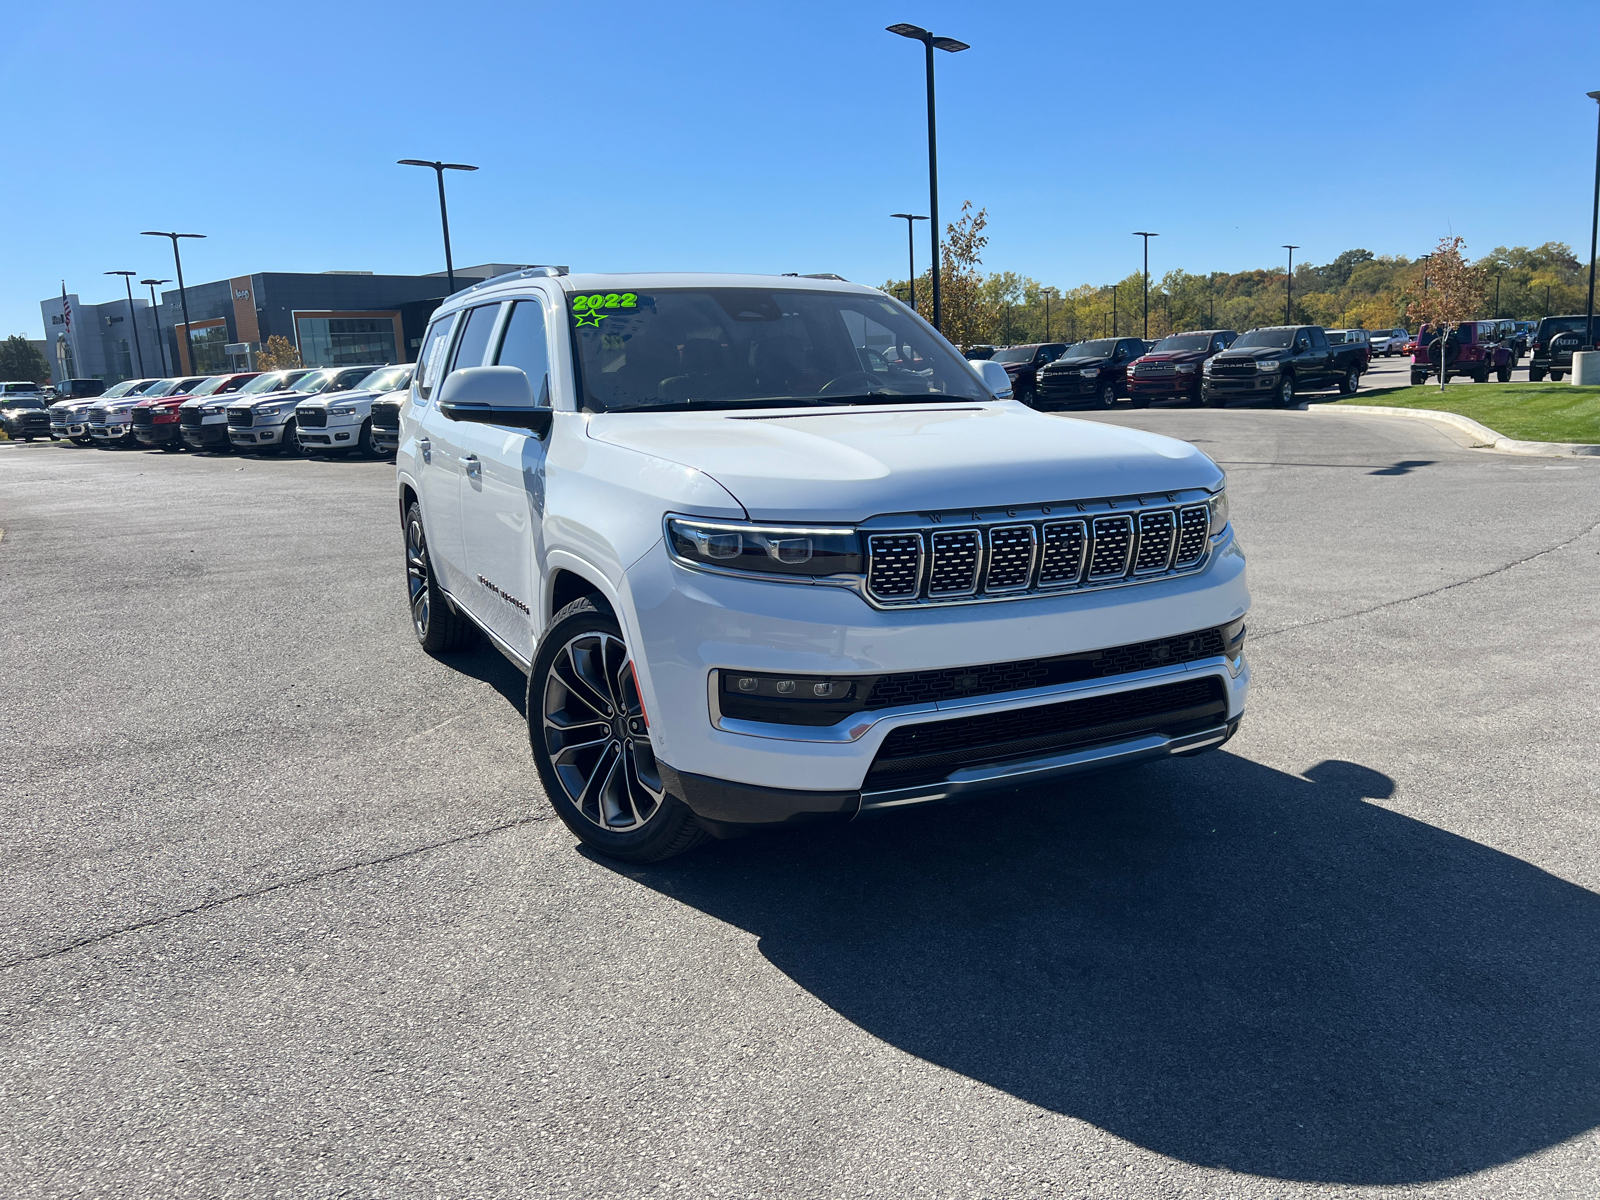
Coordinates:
(594, 788)
(579, 684)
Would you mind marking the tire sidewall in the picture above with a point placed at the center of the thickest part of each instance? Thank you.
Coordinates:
(1286, 391)
(664, 826)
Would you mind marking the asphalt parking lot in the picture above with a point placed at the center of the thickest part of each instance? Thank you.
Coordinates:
(283, 913)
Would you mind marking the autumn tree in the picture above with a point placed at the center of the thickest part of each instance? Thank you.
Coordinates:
(279, 354)
(1454, 292)
(20, 359)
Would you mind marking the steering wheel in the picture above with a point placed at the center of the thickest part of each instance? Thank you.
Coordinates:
(858, 380)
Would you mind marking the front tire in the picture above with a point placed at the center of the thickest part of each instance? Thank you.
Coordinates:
(364, 441)
(1286, 392)
(439, 628)
(590, 736)
(1107, 396)
(1503, 375)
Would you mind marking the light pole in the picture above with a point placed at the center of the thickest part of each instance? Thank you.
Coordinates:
(1146, 237)
(931, 43)
(439, 168)
(133, 317)
(1047, 294)
(155, 312)
(911, 253)
(1288, 302)
(185, 347)
(1594, 230)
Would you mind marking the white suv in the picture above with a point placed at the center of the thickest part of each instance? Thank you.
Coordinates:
(343, 420)
(770, 551)
(1388, 342)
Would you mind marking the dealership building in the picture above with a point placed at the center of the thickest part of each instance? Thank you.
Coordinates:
(333, 318)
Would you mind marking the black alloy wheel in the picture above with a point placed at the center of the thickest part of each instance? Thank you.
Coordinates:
(590, 736)
(439, 628)
(1107, 396)
(1285, 393)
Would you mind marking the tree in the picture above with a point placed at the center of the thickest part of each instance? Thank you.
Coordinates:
(20, 359)
(278, 354)
(1455, 293)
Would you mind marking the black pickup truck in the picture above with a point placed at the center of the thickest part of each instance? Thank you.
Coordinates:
(1276, 362)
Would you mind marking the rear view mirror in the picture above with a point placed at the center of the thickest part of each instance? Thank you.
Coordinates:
(493, 396)
(995, 378)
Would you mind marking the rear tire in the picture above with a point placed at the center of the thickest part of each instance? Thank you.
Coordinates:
(439, 628)
(1555, 376)
(1418, 378)
(590, 737)
(1350, 382)
(1535, 375)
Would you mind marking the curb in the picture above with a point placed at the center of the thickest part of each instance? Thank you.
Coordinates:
(1483, 433)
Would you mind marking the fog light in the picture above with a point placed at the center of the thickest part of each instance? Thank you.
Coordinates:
(747, 683)
(785, 687)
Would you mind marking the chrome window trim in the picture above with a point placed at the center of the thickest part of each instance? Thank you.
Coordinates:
(857, 725)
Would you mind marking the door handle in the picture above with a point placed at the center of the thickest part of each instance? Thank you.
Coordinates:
(474, 468)
(427, 450)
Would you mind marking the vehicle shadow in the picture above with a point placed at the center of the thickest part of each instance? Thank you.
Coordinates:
(1210, 958)
(483, 662)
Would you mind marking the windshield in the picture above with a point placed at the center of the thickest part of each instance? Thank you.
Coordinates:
(1020, 354)
(161, 387)
(1104, 348)
(1183, 341)
(211, 385)
(272, 381)
(122, 389)
(728, 347)
(316, 381)
(1276, 339)
(15, 401)
(385, 379)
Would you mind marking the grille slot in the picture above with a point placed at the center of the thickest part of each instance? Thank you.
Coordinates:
(1062, 564)
(955, 562)
(1193, 526)
(895, 570)
(929, 751)
(1113, 543)
(1011, 553)
(97, 415)
(1156, 530)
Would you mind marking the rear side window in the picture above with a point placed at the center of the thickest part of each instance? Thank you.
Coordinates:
(432, 353)
(524, 345)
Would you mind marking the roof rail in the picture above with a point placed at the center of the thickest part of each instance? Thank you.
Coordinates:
(539, 272)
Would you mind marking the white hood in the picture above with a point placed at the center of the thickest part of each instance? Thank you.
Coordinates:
(850, 464)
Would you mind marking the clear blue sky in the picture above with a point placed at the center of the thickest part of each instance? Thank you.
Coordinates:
(615, 135)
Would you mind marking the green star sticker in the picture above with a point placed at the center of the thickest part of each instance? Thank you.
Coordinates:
(591, 318)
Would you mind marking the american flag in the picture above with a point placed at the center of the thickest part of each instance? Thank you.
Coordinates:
(66, 308)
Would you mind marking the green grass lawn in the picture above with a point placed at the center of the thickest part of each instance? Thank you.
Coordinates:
(1530, 412)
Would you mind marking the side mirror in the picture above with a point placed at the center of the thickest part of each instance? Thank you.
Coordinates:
(493, 396)
(995, 378)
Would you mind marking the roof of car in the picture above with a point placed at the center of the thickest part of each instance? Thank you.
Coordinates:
(591, 281)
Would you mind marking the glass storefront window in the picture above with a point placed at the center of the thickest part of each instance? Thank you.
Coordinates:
(346, 341)
(207, 350)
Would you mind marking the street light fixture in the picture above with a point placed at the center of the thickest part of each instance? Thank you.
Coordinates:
(439, 168)
(1594, 229)
(1048, 292)
(931, 43)
(911, 253)
(1112, 288)
(133, 317)
(1146, 237)
(1288, 303)
(155, 310)
(185, 350)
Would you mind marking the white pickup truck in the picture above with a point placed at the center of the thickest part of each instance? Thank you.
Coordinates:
(770, 551)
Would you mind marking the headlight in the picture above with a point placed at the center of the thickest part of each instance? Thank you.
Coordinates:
(268, 410)
(1268, 364)
(344, 410)
(1218, 505)
(1089, 372)
(1184, 368)
(791, 550)
(210, 412)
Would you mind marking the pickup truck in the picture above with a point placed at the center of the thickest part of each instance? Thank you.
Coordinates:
(111, 415)
(342, 422)
(1171, 369)
(1553, 344)
(1023, 363)
(1279, 361)
(23, 414)
(771, 552)
(1093, 373)
(1473, 349)
(268, 425)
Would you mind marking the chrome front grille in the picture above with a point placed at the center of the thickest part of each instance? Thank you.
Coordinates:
(97, 415)
(1233, 366)
(1151, 369)
(935, 565)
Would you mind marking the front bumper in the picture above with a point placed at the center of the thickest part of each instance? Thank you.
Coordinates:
(112, 432)
(688, 624)
(385, 439)
(1159, 386)
(1056, 390)
(1242, 385)
(256, 435)
(332, 436)
(156, 435)
(204, 437)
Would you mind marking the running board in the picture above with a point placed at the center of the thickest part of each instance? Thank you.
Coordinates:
(495, 640)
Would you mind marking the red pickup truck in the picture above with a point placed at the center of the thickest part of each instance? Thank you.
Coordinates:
(1472, 349)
